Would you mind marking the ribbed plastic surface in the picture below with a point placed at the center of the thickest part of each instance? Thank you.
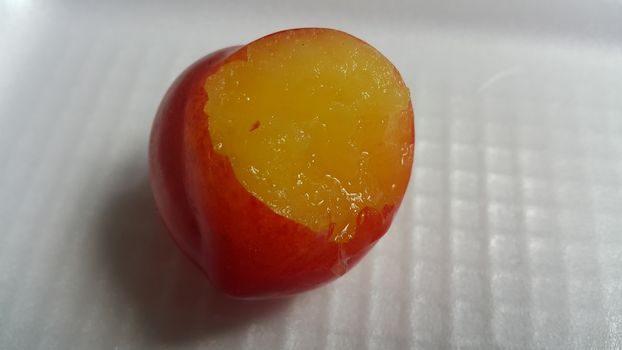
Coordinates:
(510, 236)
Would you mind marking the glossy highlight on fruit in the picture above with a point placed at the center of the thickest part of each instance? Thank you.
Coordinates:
(277, 165)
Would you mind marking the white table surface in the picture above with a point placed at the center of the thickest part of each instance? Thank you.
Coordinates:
(510, 236)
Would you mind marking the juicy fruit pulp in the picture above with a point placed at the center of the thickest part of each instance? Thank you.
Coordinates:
(316, 124)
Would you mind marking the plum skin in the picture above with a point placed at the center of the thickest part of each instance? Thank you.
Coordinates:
(243, 247)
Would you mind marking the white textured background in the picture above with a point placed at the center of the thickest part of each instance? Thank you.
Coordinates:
(510, 236)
